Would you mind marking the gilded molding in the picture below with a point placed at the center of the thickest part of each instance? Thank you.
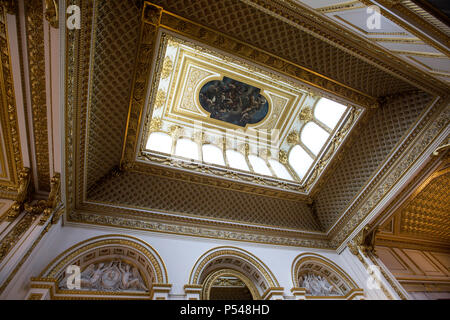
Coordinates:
(56, 266)
(230, 180)
(36, 65)
(13, 236)
(24, 259)
(23, 192)
(149, 28)
(51, 13)
(210, 255)
(244, 50)
(209, 282)
(418, 140)
(8, 116)
(10, 6)
(362, 246)
(46, 208)
(307, 257)
(197, 230)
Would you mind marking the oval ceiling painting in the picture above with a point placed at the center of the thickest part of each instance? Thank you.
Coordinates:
(233, 101)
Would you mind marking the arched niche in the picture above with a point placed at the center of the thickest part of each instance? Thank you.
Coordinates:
(235, 263)
(112, 266)
(316, 277)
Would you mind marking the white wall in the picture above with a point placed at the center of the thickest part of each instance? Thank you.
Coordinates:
(179, 254)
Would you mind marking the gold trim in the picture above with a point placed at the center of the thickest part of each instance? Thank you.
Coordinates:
(209, 281)
(317, 258)
(427, 131)
(343, 6)
(141, 77)
(244, 50)
(51, 13)
(209, 255)
(36, 65)
(107, 240)
(8, 114)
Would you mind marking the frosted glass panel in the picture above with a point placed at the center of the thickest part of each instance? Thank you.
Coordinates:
(314, 137)
(212, 154)
(159, 141)
(280, 170)
(237, 160)
(259, 165)
(187, 148)
(329, 112)
(300, 160)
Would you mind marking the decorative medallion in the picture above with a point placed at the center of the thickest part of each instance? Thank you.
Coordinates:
(233, 101)
(306, 114)
(293, 138)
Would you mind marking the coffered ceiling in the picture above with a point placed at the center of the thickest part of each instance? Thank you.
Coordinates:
(109, 62)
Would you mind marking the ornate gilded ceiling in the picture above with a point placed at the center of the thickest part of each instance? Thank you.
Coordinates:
(108, 66)
(421, 217)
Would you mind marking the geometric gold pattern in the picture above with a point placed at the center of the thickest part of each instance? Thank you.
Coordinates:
(117, 192)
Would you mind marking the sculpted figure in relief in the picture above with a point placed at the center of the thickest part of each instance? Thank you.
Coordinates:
(113, 276)
(316, 285)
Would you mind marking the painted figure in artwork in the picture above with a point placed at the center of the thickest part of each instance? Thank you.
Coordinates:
(233, 101)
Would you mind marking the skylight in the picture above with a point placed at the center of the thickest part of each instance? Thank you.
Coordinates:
(187, 148)
(210, 110)
(237, 160)
(329, 112)
(212, 154)
(159, 141)
(259, 165)
(300, 160)
(314, 137)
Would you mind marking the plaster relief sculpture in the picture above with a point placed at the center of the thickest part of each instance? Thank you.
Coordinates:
(316, 285)
(113, 276)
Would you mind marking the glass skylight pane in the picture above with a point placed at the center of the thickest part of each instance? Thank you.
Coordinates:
(212, 154)
(300, 160)
(259, 165)
(280, 170)
(237, 160)
(159, 141)
(314, 137)
(187, 148)
(329, 112)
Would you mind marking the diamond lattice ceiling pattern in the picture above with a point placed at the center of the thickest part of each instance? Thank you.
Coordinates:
(103, 122)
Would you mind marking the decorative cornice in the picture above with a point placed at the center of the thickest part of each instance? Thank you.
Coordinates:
(196, 230)
(225, 179)
(425, 133)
